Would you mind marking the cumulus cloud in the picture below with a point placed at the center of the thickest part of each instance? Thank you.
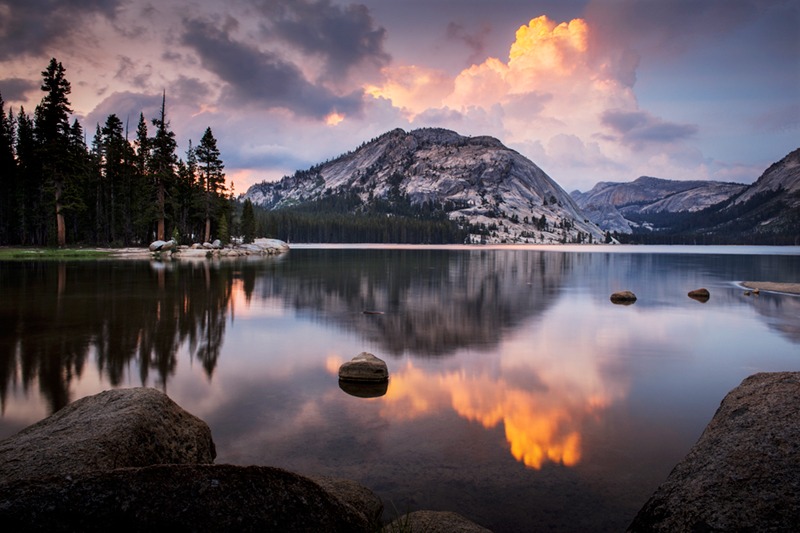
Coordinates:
(127, 106)
(28, 27)
(16, 89)
(344, 36)
(262, 78)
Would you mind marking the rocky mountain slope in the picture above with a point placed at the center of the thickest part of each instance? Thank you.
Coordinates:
(476, 180)
(610, 205)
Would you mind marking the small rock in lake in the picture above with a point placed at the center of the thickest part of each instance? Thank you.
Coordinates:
(701, 295)
(756, 291)
(371, 312)
(747, 293)
(623, 298)
(157, 245)
(365, 389)
(364, 367)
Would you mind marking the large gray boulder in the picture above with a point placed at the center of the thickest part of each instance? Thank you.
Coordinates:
(436, 522)
(354, 494)
(113, 429)
(155, 246)
(364, 367)
(744, 472)
(197, 498)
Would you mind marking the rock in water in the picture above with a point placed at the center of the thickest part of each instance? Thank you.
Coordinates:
(364, 367)
(113, 429)
(744, 472)
(436, 522)
(202, 498)
(155, 246)
(701, 295)
(623, 297)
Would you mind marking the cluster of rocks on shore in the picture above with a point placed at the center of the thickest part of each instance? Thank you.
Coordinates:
(217, 249)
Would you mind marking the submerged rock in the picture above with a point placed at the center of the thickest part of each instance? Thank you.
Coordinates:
(743, 474)
(202, 498)
(701, 295)
(113, 429)
(436, 522)
(364, 367)
(623, 297)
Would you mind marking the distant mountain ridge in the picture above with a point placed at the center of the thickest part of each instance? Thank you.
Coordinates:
(474, 180)
(610, 204)
(767, 211)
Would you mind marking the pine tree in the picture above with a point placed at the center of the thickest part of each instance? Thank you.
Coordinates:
(8, 167)
(248, 221)
(52, 132)
(224, 236)
(30, 190)
(212, 179)
(162, 164)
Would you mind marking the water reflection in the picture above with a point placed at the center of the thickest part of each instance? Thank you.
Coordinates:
(127, 314)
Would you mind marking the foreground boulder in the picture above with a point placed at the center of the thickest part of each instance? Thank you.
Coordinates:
(623, 297)
(113, 429)
(436, 522)
(364, 367)
(201, 498)
(743, 474)
(354, 494)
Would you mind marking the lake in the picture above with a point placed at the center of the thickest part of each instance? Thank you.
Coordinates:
(520, 396)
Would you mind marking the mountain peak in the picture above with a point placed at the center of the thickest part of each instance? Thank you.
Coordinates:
(476, 180)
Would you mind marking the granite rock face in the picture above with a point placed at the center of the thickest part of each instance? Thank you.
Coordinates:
(437, 522)
(364, 367)
(198, 498)
(354, 494)
(113, 429)
(743, 474)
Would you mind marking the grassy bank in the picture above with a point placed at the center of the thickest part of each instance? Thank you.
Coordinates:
(52, 254)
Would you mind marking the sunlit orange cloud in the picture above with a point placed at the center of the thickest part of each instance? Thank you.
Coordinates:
(541, 425)
(333, 119)
(413, 88)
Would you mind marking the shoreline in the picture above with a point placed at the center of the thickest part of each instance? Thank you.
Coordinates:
(785, 288)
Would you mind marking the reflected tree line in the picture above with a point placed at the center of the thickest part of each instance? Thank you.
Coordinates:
(133, 315)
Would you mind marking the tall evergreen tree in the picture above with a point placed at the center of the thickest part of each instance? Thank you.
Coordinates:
(212, 179)
(30, 184)
(8, 167)
(248, 221)
(52, 132)
(162, 164)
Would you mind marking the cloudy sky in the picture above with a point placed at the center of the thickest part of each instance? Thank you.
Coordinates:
(590, 90)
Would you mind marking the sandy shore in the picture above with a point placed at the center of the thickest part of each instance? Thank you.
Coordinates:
(791, 288)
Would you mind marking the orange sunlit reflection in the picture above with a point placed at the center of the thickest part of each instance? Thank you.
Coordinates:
(542, 424)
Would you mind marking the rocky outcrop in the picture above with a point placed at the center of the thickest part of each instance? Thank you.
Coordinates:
(743, 474)
(259, 247)
(202, 498)
(436, 522)
(789, 288)
(364, 367)
(623, 297)
(113, 429)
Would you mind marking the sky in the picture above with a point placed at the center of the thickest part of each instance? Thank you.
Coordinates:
(589, 90)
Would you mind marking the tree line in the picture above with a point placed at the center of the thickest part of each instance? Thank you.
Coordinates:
(55, 190)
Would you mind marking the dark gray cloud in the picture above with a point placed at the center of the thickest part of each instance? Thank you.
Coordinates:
(776, 121)
(188, 91)
(17, 89)
(28, 27)
(345, 36)
(130, 71)
(637, 128)
(127, 106)
(475, 41)
(261, 77)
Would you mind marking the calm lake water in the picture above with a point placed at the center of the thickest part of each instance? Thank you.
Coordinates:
(520, 396)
